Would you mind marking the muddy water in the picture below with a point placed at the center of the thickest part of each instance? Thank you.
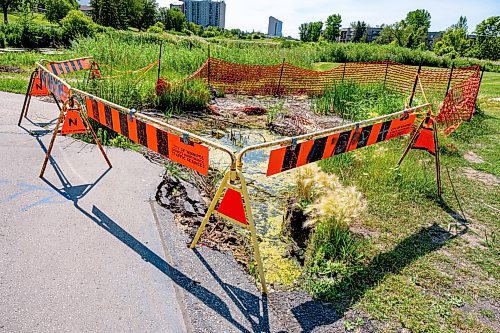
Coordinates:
(268, 195)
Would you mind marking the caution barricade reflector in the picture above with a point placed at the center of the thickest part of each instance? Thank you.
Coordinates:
(425, 141)
(38, 89)
(73, 123)
(69, 66)
(232, 206)
(293, 156)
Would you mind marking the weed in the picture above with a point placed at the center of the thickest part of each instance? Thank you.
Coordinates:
(357, 102)
(275, 112)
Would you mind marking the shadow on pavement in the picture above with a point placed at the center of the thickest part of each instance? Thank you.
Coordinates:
(248, 304)
(75, 193)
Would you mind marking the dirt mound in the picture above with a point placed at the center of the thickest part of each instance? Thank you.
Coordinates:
(11, 69)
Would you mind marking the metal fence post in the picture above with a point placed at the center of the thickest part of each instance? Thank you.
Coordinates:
(343, 72)
(208, 72)
(449, 79)
(479, 87)
(386, 70)
(281, 75)
(417, 77)
(159, 61)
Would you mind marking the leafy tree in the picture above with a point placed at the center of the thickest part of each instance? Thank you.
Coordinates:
(194, 28)
(310, 32)
(360, 31)
(109, 13)
(77, 24)
(148, 15)
(419, 18)
(173, 19)
(332, 29)
(488, 38)
(454, 42)
(462, 23)
(411, 32)
(56, 10)
(6, 5)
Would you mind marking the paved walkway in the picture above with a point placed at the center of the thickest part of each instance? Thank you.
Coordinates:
(80, 249)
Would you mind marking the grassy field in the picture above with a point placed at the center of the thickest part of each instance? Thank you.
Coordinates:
(412, 273)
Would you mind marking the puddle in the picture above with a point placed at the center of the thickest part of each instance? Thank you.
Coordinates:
(268, 195)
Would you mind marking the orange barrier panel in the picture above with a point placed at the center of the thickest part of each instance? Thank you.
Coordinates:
(69, 66)
(190, 154)
(294, 156)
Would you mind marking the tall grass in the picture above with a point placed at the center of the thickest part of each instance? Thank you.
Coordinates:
(357, 102)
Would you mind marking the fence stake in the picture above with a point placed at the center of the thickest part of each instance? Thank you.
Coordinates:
(417, 77)
(449, 79)
(208, 73)
(386, 69)
(343, 72)
(478, 88)
(159, 61)
(281, 75)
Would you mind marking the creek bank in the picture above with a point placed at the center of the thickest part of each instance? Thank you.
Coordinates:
(189, 205)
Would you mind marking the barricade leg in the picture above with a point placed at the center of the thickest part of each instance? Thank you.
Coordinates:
(51, 145)
(437, 159)
(27, 98)
(210, 209)
(249, 217)
(411, 143)
(89, 128)
(253, 232)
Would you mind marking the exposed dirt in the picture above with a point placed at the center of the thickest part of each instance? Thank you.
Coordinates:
(473, 157)
(189, 204)
(287, 116)
(11, 69)
(484, 177)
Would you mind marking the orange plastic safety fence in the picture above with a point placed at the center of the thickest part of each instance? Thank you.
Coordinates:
(286, 79)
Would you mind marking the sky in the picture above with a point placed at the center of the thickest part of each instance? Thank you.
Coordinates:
(250, 15)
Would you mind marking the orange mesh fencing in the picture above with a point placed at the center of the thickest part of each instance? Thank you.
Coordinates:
(287, 79)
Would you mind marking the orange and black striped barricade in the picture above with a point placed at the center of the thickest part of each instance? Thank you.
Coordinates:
(425, 137)
(73, 121)
(45, 81)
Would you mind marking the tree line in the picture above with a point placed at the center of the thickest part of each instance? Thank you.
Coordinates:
(413, 32)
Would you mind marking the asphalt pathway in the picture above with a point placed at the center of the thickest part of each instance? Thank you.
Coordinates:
(87, 249)
(80, 249)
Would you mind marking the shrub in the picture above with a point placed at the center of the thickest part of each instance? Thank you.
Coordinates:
(77, 24)
(157, 28)
(188, 96)
(31, 35)
(56, 10)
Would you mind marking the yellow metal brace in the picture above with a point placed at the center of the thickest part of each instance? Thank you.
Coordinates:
(228, 182)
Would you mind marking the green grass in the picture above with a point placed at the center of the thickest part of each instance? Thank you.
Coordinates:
(416, 276)
(358, 102)
(37, 18)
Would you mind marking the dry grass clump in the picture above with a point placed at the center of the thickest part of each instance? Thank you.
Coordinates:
(324, 197)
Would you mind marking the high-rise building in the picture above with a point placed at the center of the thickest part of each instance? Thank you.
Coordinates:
(275, 27)
(206, 12)
(177, 4)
